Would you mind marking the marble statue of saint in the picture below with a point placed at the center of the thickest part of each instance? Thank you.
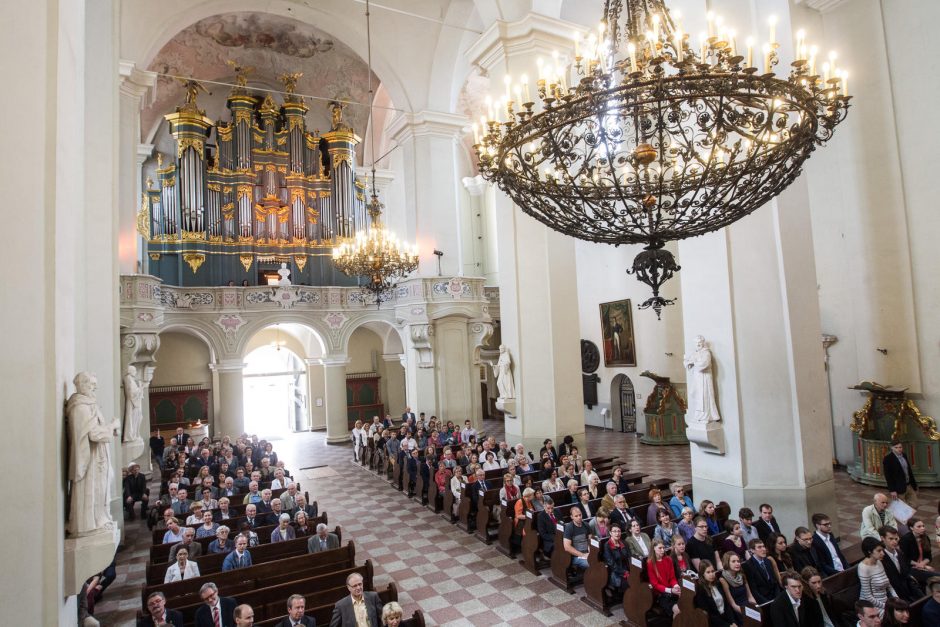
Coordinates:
(284, 273)
(703, 406)
(133, 405)
(503, 372)
(90, 459)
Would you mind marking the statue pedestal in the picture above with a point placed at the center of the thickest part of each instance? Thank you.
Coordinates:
(710, 436)
(507, 406)
(132, 450)
(86, 556)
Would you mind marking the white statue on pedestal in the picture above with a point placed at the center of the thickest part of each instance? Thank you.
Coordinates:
(90, 459)
(284, 273)
(703, 407)
(133, 405)
(503, 372)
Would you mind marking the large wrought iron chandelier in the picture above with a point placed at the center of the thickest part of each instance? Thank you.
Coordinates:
(376, 256)
(656, 140)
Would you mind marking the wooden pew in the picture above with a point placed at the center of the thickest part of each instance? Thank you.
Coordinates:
(235, 581)
(322, 612)
(639, 596)
(484, 521)
(595, 581)
(689, 615)
(269, 601)
(209, 564)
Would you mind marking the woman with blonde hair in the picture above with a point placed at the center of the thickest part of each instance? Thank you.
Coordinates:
(391, 614)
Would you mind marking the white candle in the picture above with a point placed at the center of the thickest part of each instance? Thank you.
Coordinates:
(577, 44)
(750, 52)
(656, 27)
(734, 44)
(800, 39)
(813, 51)
(710, 16)
(845, 84)
(704, 51)
(525, 87)
(678, 45)
(631, 49)
(773, 29)
(476, 134)
(767, 51)
(826, 68)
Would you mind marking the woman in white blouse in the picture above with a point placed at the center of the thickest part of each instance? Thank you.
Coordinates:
(456, 487)
(553, 483)
(588, 473)
(358, 436)
(183, 568)
(491, 463)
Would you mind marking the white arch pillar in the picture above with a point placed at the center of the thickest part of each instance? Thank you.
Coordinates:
(334, 375)
(228, 397)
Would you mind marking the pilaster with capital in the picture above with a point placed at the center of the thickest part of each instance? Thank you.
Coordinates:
(228, 397)
(538, 299)
(420, 384)
(139, 350)
(334, 378)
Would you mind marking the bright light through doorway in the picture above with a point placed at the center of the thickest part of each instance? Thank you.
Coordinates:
(275, 393)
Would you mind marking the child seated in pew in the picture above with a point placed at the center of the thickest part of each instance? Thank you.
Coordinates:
(662, 576)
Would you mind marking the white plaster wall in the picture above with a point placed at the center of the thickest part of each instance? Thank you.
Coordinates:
(602, 278)
(181, 360)
(874, 210)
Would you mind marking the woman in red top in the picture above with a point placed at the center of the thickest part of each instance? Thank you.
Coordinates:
(662, 575)
(509, 492)
(442, 477)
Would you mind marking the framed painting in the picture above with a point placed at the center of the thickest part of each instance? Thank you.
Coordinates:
(617, 333)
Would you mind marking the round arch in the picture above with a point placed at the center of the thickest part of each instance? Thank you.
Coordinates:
(194, 329)
(392, 339)
(256, 325)
(145, 30)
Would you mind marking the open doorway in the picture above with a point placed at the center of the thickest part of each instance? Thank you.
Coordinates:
(275, 392)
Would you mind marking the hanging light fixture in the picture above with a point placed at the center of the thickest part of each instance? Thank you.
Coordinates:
(277, 343)
(376, 256)
(654, 139)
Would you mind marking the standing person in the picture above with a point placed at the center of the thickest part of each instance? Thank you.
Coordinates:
(662, 576)
(359, 441)
(899, 475)
(708, 597)
(357, 608)
(296, 604)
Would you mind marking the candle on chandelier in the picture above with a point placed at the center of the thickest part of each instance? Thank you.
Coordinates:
(678, 45)
(540, 64)
(845, 84)
(800, 41)
(826, 67)
(734, 43)
(813, 51)
(577, 44)
(525, 87)
(631, 49)
(768, 52)
(710, 16)
(750, 52)
(476, 134)
(772, 22)
(656, 27)
(702, 44)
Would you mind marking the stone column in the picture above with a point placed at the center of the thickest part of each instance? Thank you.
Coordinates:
(751, 291)
(228, 397)
(420, 387)
(334, 375)
(394, 384)
(137, 88)
(483, 221)
(429, 146)
(315, 391)
(537, 278)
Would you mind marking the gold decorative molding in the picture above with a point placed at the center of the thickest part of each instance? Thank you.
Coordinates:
(190, 142)
(195, 260)
(301, 261)
(143, 218)
(246, 261)
(193, 236)
(155, 256)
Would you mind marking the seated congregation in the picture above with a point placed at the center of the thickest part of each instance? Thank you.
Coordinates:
(626, 539)
(236, 542)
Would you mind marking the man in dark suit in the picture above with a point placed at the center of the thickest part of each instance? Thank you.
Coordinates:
(408, 415)
(344, 612)
(158, 613)
(826, 547)
(898, 567)
(135, 489)
(296, 604)
(930, 615)
(621, 515)
(302, 506)
(179, 439)
(322, 541)
(801, 551)
(766, 524)
(787, 609)
(760, 574)
(899, 475)
(251, 516)
(545, 522)
(217, 610)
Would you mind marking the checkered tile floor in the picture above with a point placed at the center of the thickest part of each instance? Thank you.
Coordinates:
(455, 579)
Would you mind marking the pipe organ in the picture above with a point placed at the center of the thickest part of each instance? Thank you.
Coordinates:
(268, 191)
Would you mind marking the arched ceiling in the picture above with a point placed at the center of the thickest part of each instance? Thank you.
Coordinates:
(273, 45)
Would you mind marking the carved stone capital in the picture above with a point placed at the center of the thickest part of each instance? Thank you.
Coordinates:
(421, 339)
(139, 349)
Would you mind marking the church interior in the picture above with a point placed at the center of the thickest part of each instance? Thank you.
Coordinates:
(690, 238)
